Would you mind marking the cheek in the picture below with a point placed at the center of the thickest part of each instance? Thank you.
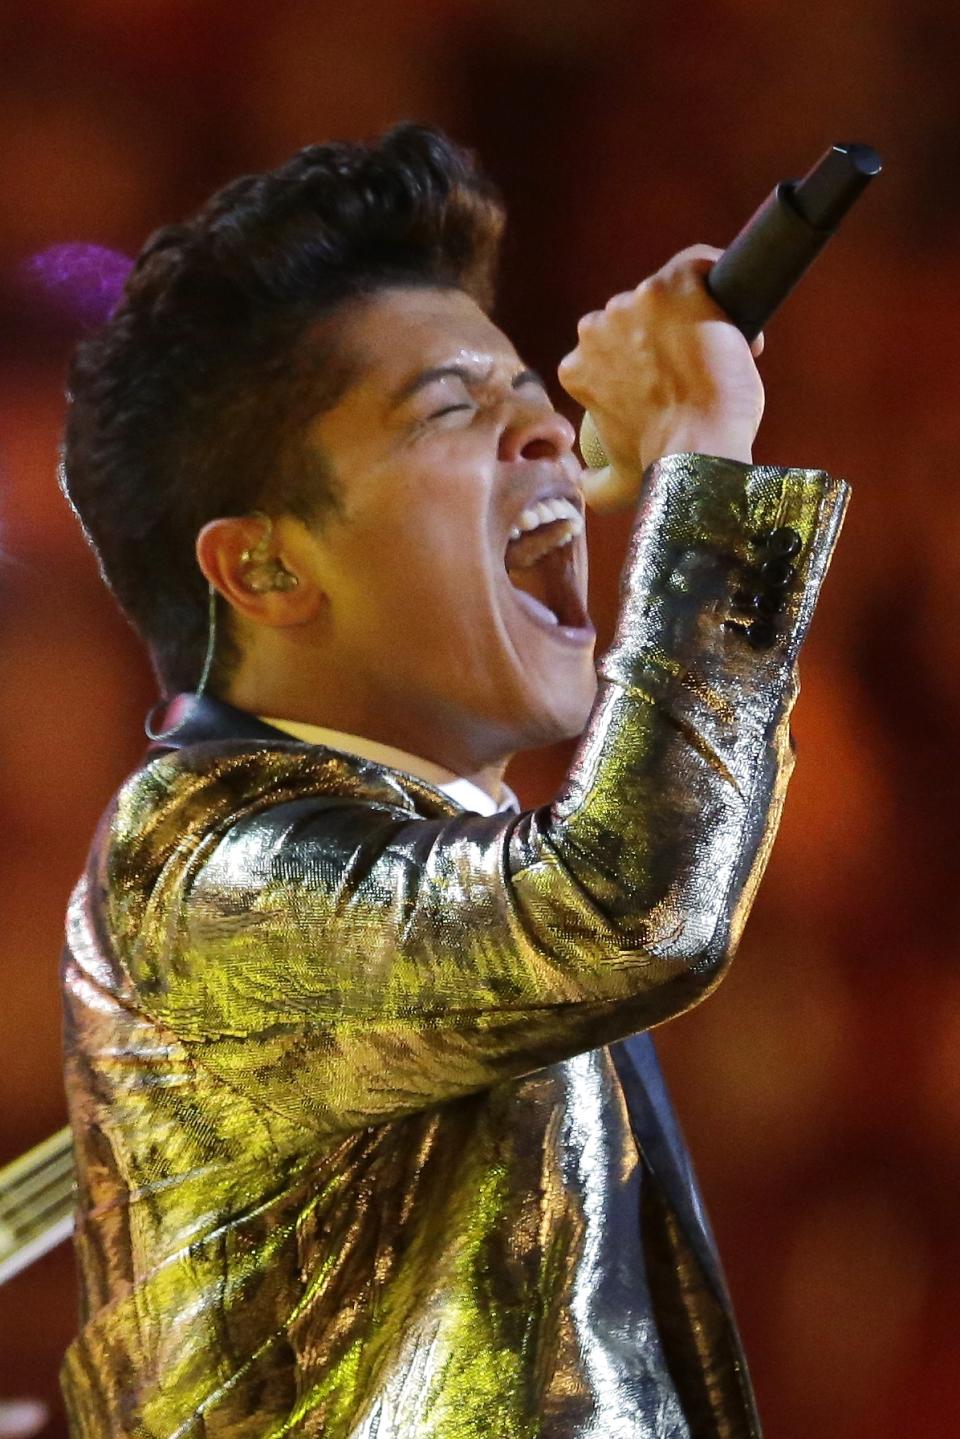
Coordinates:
(433, 536)
(413, 562)
(420, 579)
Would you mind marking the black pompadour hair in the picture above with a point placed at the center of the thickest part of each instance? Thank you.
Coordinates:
(193, 400)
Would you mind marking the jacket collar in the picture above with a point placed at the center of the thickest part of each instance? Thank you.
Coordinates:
(190, 719)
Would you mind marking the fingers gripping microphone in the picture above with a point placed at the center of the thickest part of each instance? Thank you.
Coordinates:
(757, 271)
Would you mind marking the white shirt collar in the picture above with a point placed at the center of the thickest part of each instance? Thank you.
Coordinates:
(463, 791)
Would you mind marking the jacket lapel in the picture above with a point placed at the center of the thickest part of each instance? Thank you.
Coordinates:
(661, 1143)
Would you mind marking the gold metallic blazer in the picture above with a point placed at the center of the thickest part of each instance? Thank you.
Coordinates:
(364, 1149)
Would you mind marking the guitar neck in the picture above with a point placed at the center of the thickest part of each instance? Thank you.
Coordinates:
(36, 1203)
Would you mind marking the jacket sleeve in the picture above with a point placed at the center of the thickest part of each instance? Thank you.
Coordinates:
(343, 963)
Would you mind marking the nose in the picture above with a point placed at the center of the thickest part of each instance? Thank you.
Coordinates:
(546, 435)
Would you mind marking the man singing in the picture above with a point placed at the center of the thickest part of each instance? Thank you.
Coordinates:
(371, 1140)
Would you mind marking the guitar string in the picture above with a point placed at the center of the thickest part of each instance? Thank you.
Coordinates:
(24, 1229)
(30, 1197)
(53, 1205)
(21, 1194)
(51, 1151)
(37, 1179)
(25, 1224)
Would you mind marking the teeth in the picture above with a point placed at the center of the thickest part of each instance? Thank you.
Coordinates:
(545, 513)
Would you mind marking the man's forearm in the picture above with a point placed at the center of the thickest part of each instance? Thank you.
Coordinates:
(676, 788)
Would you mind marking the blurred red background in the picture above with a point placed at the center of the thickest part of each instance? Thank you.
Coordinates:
(820, 1088)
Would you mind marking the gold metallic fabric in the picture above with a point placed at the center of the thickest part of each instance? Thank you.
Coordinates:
(354, 1159)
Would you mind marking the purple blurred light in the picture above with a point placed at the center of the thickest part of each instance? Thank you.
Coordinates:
(83, 283)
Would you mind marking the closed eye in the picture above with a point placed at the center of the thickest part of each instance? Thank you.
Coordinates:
(529, 377)
(448, 410)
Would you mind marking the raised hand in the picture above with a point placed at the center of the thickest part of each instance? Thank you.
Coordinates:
(663, 371)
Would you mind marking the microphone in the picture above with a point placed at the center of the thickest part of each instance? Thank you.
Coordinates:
(759, 268)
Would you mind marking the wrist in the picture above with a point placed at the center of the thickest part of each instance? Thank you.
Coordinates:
(722, 441)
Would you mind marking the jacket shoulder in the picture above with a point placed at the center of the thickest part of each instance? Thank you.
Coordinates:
(178, 803)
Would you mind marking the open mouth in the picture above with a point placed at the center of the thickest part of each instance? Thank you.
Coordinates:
(540, 561)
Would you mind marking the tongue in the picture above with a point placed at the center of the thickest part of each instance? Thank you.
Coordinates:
(533, 581)
(551, 583)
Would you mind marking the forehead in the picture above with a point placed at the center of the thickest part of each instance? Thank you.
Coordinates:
(393, 335)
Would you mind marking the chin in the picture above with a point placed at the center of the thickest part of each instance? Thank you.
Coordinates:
(561, 712)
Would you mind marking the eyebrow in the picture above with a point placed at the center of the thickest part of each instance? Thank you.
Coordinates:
(459, 372)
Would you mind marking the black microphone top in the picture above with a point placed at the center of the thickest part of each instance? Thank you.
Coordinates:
(827, 191)
(765, 260)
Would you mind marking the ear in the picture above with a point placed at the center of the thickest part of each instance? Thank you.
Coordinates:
(236, 552)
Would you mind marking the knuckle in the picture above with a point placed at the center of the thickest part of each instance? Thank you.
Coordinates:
(690, 262)
(699, 252)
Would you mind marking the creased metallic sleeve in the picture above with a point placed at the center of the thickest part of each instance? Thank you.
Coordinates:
(353, 1160)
